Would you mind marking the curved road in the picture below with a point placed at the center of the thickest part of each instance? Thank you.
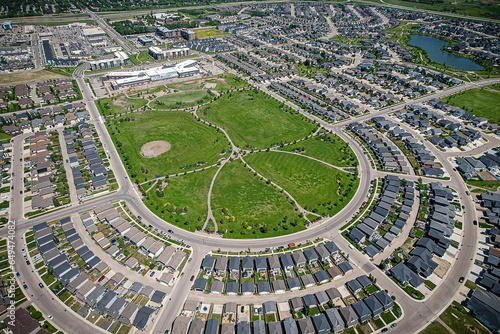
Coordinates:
(421, 312)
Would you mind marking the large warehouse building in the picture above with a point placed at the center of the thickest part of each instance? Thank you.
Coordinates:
(133, 78)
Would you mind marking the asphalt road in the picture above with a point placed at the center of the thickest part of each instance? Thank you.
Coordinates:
(417, 313)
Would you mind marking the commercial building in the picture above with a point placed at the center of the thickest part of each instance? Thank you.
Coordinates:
(133, 78)
(160, 54)
(120, 59)
(93, 32)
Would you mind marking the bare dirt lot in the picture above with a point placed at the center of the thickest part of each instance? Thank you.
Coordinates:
(442, 268)
(155, 148)
(28, 76)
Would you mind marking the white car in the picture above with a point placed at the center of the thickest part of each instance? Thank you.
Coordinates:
(50, 317)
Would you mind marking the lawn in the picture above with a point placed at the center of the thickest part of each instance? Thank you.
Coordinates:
(193, 144)
(118, 105)
(181, 100)
(254, 119)
(144, 56)
(184, 191)
(460, 321)
(482, 102)
(247, 207)
(223, 82)
(326, 147)
(388, 317)
(227, 81)
(435, 328)
(317, 187)
(27, 77)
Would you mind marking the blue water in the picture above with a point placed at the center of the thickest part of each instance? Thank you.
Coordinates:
(433, 48)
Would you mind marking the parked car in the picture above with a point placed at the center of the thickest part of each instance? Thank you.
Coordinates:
(462, 279)
(394, 325)
(50, 317)
(192, 278)
(475, 222)
(40, 285)
(25, 287)
(384, 330)
(152, 273)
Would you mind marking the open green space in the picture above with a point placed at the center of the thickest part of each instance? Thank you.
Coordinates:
(27, 77)
(202, 33)
(255, 120)
(144, 56)
(181, 100)
(326, 147)
(317, 188)
(460, 321)
(435, 328)
(224, 81)
(479, 8)
(183, 201)
(482, 102)
(193, 144)
(247, 207)
(119, 104)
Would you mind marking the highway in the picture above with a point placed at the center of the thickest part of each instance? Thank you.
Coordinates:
(127, 47)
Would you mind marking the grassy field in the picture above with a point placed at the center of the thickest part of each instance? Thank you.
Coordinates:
(181, 100)
(317, 187)
(193, 144)
(202, 33)
(435, 328)
(119, 104)
(223, 82)
(227, 81)
(253, 119)
(184, 191)
(483, 8)
(144, 56)
(460, 321)
(482, 102)
(28, 76)
(247, 207)
(326, 147)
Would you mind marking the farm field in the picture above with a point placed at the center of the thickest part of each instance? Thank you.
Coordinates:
(255, 120)
(119, 104)
(482, 102)
(183, 200)
(247, 207)
(193, 144)
(325, 147)
(318, 188)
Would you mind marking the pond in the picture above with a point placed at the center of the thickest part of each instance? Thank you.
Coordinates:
(433, 47)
